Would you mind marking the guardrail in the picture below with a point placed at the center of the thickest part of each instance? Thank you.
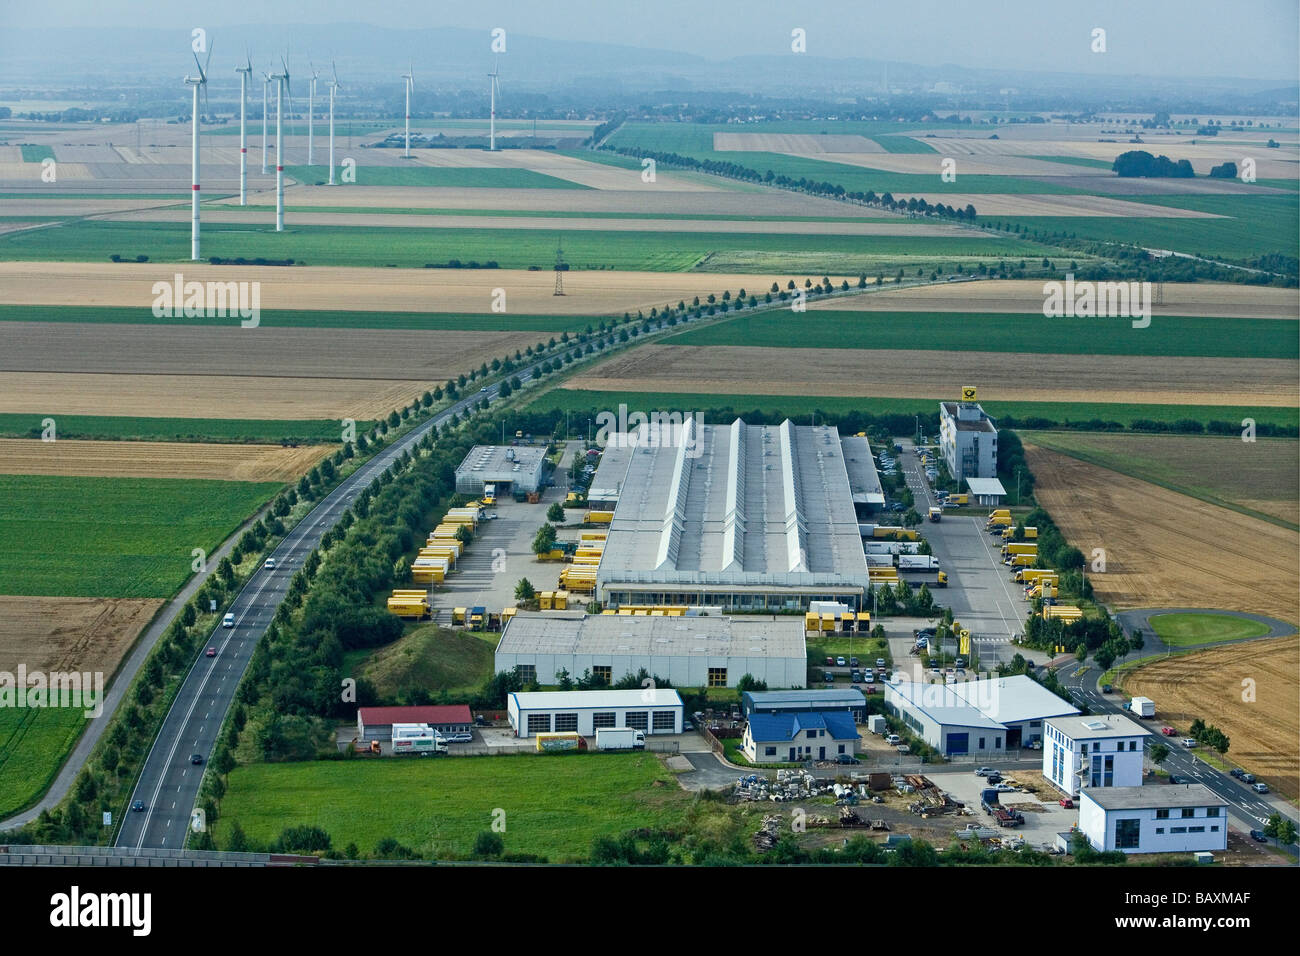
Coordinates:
(106, 856)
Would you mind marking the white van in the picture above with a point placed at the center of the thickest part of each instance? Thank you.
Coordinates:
(228, 620)
(893, 740)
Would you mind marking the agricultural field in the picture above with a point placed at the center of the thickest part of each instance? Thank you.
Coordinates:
(1165, 549)
(145, 459)
(114, 537)
(462, 177)
(1261, 479)
(555, 804)
(1208, 685)
(33, 745)
(233, 430)
(915, 373)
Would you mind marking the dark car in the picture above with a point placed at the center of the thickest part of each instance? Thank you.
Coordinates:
(1105, 688)
(853, 661)
(1247, 777)
(846, 758)
(993, 778)
(137, 805)
(1174, 778)
(1236, 772)
(196, 758)
(1258, 836)
(830, 662)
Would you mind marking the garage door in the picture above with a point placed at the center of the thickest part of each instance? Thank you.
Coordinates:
(958, 743)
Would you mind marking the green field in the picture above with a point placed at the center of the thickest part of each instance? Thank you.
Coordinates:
(1009, 332)
(114, 537)
(217, 430)
(33, 745)
(35, 154)
(1181, 630)
(431, 658)
(511, 249)
(554, 804)
(802, 406)
(460, 177)
(307, 318)
(1075, 161)
(563, 214)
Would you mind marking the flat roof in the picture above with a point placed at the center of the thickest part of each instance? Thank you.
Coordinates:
(489, 462)
(607, 482)
(1011, 700)
(985, 486)
(864, 479)
(981, 424)
(582, 699)
(1154, 797)
(764, 505)
(940, 704)
(831, 697)
(1098, 726)
(563, 632)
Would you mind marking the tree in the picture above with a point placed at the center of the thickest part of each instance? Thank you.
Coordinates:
(238, 842)
(563, 679)
(748, 682)
(1104, 657)
(555, 513)
(1136, 641)
(1286, 832)
(544, 540)
(489, 844)
(1081, 652)
(1158, 753)
(524, 590)
(187, 615)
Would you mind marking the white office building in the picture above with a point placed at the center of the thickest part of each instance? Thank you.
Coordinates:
(655, 710)
(1178, 818)
(1087, 752)
(968, 441)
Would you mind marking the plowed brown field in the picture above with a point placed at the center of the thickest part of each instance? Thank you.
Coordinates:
(67, 633)
(1208, 685)
(1164, 549)
(147, 459)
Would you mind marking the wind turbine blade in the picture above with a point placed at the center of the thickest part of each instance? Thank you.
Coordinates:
(198, 65)
(206, 63)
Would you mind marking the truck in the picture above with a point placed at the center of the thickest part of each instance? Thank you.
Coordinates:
(619, 738)
(1142, 707)
(918, 562)
(942, 582)
(1031, 575)
(1019, 547)
(1020, 560)
(489, 494)
(891, 547)
(882, 560)
(936, 514)
(1005, 817)
(417, 739)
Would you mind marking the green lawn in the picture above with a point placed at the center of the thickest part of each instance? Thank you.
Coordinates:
(114, 537)
(997, 332)
(802, 406)
(460, 177)
(218, 430)
(555, 804)
(33, 744)
(1181, 630)
(511, 249)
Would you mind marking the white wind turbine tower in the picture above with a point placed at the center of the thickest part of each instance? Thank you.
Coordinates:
(266, 83)
(280, 93)
(311, 109)
(334, 86)
(409, 77)
(494, 79)
(196, 81)
(245, 73)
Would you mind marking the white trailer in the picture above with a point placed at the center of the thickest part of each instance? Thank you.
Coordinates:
(918, 562)
(891, 547)
(880, 560)
(877, 724)
(417, 739)
(619, 738)
(1142, 707)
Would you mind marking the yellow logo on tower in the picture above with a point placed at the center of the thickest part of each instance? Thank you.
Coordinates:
(968, 393)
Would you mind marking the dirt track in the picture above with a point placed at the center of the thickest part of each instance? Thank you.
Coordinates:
(1208, 685)
(141, 459)
(1165, 549)
(67, 633)
(906, 373)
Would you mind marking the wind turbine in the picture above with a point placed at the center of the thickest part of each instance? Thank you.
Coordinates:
(245, 73)
(280, 92)
(494, 80)
(311, 108)
(409, 77)
(333, 85)
(266, 82)
(196, 81)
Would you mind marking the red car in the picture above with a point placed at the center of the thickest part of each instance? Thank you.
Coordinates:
(1067, 803)
(212, 652)
(1168, 731)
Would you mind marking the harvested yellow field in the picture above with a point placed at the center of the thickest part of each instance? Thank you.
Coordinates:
(367, 290)
(203, 396)
(593, 175)
(906, 373)
(144, 459)
(69, 633)
(931, 164)
(1165, 549)
(30, 173)
(1208, 685)
(1026, 295)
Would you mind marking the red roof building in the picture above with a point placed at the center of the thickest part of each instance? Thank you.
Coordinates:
(376, 723)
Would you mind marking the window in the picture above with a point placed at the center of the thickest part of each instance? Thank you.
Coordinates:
(1214, 829)
(841, 748)
(1035, 723)
(665, 720)
(1160, 830)
(1189, 812)
(539, 723)
(527, 673)
(1127, 834)
(1196, 829)
(1132, 745)
(812, 735)
(981, 743)
(637, 719)
(602, 672)
(604, 718)
(769, 751)
(1173, 830)
(1108, 778)
(566, 722)
(1212, 811)
(717, 677)
(1162, 814)
(997, 743)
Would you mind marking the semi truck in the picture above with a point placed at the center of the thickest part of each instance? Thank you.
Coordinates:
(891, 547)
(1142, 707)
(619, 738)
(918, 562)
(417, 739)
(882, 560)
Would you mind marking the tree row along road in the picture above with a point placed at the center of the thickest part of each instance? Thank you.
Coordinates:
(168, 784)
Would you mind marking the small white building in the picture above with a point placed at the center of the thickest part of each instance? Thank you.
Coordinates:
(986, 491)
(1178, 818)
(1087, 752)
(511, 468)
(655, 710)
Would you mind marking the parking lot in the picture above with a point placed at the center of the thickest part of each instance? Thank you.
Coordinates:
(1044, 816)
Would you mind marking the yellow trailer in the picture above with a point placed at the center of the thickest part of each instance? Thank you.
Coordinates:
(1032, 575)
(446, 530)
(402, 607)
(598, 517)
(458, 615)
(958, 500)
(546, 600)
(1019, 547)
(1020, 560)
(593, 536)
(507, 614)
(554, 555)
(812, 622)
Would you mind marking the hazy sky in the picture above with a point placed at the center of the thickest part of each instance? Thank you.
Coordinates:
(1150, 37)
